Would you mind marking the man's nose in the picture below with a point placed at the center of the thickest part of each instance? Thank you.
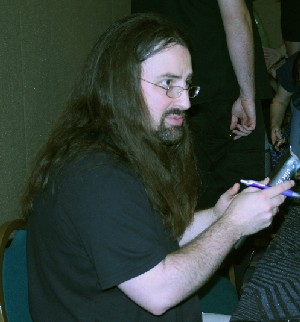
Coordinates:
(184, 100)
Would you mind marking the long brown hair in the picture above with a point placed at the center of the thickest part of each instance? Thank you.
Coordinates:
(107, 112)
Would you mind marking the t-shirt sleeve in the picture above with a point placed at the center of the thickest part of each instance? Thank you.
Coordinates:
(284, 75)
(116, 223)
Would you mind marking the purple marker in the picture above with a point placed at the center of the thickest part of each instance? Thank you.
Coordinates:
(252, 183)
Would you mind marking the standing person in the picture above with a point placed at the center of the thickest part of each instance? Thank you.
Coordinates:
(288, 92)
(228, 125)
(112, 233)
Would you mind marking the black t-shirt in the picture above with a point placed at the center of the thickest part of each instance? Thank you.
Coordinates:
(285, 78)
(201, 21)
(284, 74)
(96, 231)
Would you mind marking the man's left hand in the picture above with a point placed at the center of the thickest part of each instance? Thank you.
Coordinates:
(225, 200)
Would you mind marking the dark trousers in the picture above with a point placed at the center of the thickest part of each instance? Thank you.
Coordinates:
(222, 161)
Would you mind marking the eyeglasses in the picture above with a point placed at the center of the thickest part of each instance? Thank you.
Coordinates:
(176, 91)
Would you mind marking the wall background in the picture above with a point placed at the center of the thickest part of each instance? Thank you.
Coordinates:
(42, 47)
(43, 44)
(269, 13)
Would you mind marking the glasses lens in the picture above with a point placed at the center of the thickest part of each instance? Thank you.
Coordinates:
(193, 91)
(174, 91)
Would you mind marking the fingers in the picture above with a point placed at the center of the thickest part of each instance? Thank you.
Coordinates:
(276, 202)
(276, 131)
(234, 122)
(265, 181)
(250, 189)
(274, 191)
(277, 138)
(278, 144)
(275, 211)
(241, 131)
(244, 129)
(233, 190)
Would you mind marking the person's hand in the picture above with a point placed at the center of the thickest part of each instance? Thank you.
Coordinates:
(243, 120)
(253, 210)
(272, 56)
(225, 200)
(277, 138)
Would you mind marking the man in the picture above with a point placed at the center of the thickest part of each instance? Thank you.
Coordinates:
(112, 234)
(228, 60)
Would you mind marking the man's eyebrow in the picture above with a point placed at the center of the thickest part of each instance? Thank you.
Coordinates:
(174, 76)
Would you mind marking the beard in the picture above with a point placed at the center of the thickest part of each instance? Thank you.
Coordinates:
(171, 134)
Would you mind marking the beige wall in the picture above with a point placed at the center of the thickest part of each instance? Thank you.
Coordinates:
(42, 46)
(269, 13)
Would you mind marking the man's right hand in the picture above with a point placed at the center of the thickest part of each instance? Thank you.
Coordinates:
(253, 209)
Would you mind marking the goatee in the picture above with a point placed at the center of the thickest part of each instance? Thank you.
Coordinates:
(171, 135)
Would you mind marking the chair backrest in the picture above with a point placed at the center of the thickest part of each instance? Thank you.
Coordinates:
(13, 272)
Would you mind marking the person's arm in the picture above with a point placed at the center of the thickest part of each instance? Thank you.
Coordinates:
(292, 46)
(205, 218)
(277, 112)
(182, 272)
(274, 55)
(238, 29)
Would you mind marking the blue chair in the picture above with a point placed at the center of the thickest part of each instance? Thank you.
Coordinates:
(13, 272)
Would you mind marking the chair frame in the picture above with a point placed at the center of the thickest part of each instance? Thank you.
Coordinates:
(6, 235)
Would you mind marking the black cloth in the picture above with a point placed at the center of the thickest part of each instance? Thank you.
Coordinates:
(290, 22)
(273, 292)
(221, 161)
(97, 231)
(286, 80)
(284, 74)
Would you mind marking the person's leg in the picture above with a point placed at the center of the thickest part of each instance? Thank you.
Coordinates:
(209, 124)
(222, 160)
(245, 159)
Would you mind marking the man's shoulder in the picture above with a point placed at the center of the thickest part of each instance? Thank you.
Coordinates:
(97, 161)
(97, 166)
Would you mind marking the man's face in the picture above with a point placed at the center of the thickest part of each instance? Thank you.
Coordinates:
(170, 67)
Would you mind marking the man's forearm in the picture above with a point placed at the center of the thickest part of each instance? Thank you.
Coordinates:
(238, 29)
(278, 106)
(182, 272)
(202, 220)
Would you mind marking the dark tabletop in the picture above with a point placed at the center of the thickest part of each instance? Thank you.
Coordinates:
(273, 292)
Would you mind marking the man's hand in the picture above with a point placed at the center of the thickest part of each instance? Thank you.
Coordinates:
(273, 55)
(277, 138)
(253, 210)
(225, 200)
(243, 120)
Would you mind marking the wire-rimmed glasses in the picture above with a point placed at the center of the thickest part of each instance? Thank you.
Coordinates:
(176, 91)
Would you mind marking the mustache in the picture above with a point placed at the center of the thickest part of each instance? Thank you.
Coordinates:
(174, 111)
